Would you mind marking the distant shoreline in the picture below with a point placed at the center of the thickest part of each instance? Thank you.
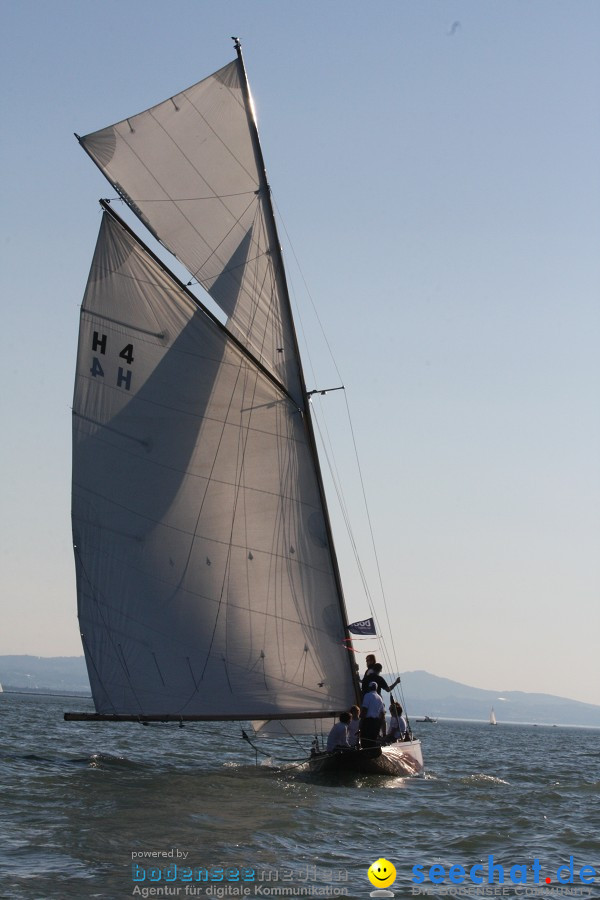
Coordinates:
(47, 693)
(422, 694)
(443, 720)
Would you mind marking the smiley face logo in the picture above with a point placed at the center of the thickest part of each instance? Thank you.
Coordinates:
(381, 873)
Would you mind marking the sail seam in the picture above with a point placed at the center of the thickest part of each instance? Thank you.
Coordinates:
(100, 604)
(216, 134)
(233, 515)
(248, 488)
(106, 427)
(160, 633)
(96, 315)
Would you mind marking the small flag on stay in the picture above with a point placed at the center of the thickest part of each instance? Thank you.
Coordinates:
(366, 626)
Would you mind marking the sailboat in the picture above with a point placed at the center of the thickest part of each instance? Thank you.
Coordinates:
(207, 579)
(492, 717)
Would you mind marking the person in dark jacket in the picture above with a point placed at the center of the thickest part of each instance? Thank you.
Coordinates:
(373, 673)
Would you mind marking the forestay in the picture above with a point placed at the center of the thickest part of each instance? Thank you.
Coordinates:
(205, 578)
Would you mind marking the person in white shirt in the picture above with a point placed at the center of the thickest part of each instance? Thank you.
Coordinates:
(354, 726)
(338, 736)
(397, 727)
(372, 716)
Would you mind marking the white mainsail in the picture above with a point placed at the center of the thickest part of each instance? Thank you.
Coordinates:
(192, 170)
(206, 580)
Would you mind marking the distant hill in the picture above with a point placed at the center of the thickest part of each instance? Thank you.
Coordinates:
(434, 696)
(425, 694)
(39, 673)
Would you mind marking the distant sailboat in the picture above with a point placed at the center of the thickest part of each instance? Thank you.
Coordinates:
(207, 580)
(493, 717)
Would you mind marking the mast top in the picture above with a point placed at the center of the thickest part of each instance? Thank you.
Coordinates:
(236, 43)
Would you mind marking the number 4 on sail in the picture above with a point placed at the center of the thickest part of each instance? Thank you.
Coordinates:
(207, 581)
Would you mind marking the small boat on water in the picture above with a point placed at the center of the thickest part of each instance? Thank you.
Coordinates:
(427, 719)
(208, 587)
(493, 717)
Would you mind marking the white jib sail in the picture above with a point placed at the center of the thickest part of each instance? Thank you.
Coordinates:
(205, 578)
(188, 167)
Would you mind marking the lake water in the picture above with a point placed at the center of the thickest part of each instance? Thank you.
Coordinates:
(81, 803)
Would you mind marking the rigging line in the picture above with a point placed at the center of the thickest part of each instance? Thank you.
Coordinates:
(351, 428)
(214, 250)
(339, 491)
(297, 311)
(228, 269)
(310, 297)
(290, 734)
(345, 512)
(348, 412)
(346, 519)
(353, 544)
(298, 318)
(343, 503)
(370, 524)
(298, 760)
(389, 658)
(185, 199)
(347, 408)
(400, 688)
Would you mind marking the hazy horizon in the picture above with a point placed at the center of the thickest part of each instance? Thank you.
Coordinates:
(494, 690)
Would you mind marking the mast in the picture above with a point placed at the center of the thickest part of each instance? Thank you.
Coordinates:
(276, 244)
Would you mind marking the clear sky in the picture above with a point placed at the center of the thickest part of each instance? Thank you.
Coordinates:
(436, 164)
